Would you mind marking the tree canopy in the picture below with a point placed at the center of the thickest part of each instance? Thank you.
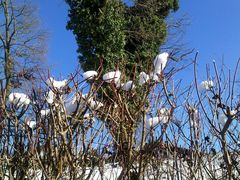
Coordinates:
(119, 34)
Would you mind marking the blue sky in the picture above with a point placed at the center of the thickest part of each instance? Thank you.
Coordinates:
(62, 56)
(214, 31)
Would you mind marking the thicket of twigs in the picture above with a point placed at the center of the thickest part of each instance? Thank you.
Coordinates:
(162, 128)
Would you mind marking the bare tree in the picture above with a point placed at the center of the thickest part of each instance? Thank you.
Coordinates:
(21, 42)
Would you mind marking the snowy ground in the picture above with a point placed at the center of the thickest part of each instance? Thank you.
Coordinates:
(167, 170)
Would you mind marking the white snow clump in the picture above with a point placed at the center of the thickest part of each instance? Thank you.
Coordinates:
(143, 78)
(160, 62)
(206, 85)
(128, 86)
(56, 84)
(88, 75)
(19, 99)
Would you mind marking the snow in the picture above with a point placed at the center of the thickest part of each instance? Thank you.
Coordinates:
(153, 121)
(159, 65)
(88, 75)
(118, 83)
(44, 112)
(233, 112)
(165, 170)
(154, 77)
(160, 62)
(161, 118)
(110, 173)
(50, 97)
(194, 121)
(87, 116)
(206, 85)
(84, 96)
(223, 118)
(143, 78)
(93, 104)
(164, 113)
(112, 76)
(19, 99)
(128, 86)
(31, 124)
(72, 105)
(56, 84)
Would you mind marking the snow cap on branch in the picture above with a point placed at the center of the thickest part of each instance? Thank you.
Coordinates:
(44, 112)
(88, 75)
(154, 77)
(56, 84)
(160, 62)
(19, 99)
(72, 105)
(50, 97)
(128, 86)
(112, 76)
(223, 118)
(143, 78)
(31, 124)
(163, 117)
(206, 85)
(93, 104)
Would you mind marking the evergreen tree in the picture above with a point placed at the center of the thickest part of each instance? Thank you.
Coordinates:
(117, 33)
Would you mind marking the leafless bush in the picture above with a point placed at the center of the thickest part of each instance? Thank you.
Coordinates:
(94, 127)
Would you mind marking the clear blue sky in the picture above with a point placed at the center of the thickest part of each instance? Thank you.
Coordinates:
(214, 31)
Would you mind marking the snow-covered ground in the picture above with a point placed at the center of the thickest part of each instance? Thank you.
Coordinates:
(168, 169)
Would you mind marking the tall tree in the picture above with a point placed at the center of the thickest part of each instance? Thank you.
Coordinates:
(118, 33)
(21, 41)
(127, 37)
(98, 26)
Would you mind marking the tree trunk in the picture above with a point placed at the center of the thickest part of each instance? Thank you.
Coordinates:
(8, 66)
